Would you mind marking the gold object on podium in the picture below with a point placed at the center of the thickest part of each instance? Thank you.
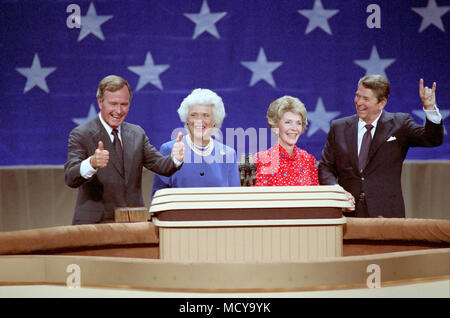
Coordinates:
(130, 214)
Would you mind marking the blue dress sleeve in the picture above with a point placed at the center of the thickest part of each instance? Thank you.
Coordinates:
(233, 173)
(161, 182)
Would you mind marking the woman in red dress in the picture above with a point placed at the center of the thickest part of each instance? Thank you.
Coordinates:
(285, 164)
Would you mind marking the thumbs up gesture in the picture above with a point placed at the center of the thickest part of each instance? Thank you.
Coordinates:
(178, 148)
(100, 158)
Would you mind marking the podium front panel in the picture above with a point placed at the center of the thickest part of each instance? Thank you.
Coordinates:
(246, 240)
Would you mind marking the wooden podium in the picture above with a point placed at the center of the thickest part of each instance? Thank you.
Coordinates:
(249, 223)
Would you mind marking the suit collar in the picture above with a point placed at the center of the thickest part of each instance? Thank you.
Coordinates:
(108, 128)
(362, 123)
(352, 120)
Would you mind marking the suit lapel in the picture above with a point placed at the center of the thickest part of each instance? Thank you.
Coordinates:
(128, 148)
(382, 132)
(351, 138)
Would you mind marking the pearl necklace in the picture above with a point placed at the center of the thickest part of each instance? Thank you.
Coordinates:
(200, 150)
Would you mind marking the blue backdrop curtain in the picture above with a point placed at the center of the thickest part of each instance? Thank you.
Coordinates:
(249, 52)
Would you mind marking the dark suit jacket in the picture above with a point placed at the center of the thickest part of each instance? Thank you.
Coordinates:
(381, 179)
(109, 187)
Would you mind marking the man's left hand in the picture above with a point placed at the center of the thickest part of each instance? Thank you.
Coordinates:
(427, 95)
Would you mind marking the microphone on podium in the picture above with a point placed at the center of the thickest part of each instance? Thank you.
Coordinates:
(247, 170)
(252, 168)
(242, 169)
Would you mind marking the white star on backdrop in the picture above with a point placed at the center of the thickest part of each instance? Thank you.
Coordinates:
(431, 15)
(262, 69)
(36, 75)
(375, 65)
(421, 114)
(149, 72)
(205, 21)
(92, 113)
(320, 119)
(318, 17)
(91, 22)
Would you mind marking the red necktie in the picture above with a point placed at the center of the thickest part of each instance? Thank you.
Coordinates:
(365, 146)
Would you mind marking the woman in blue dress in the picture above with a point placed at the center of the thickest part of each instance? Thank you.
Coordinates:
(207, 162)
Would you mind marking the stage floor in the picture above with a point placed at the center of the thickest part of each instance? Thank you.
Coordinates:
(428, 289)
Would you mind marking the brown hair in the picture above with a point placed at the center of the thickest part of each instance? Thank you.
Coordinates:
(378, 84)
(111, 83)
(286, 104)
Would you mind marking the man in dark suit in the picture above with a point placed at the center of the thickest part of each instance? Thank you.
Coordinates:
(106, 156)
(364, 153)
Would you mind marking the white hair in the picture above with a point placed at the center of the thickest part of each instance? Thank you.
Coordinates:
(203, 96)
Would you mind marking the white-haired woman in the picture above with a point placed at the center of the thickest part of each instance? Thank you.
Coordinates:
(207, 162)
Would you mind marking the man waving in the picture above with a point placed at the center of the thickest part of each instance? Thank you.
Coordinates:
(364, 153)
